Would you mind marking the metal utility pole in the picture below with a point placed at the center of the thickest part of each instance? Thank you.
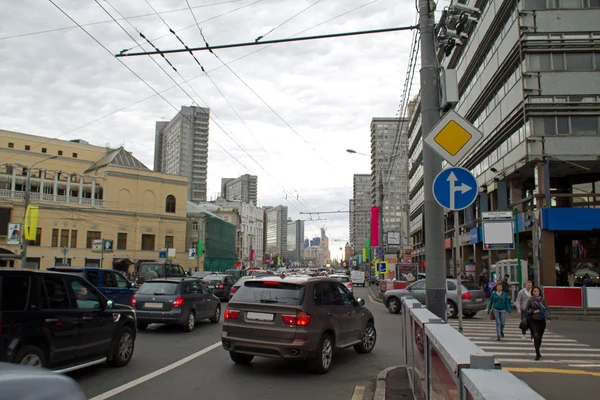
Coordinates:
(432, 163)
(24, 241)
(458, 271)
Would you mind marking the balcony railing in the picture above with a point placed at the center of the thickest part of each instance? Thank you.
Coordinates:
(4, 193)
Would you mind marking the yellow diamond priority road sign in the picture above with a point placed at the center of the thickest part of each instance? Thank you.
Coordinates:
(453, 137)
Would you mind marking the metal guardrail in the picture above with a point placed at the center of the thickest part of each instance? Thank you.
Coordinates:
(443, 364)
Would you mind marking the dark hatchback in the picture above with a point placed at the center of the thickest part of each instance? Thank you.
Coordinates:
(152, 270)
(220, 284)
(61, 322)
(181, 301)
(109, 282)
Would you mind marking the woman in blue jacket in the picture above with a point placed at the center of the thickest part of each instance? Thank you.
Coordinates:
(499, 304)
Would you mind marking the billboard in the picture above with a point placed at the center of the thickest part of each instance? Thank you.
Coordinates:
(14, 234)
(393, 239)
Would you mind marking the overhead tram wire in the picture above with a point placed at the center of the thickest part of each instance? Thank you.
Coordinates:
(195, 77)
(110, 21)
(241, 147)
(281, 24)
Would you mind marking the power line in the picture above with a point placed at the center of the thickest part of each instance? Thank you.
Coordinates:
(287, 20)
(286, 40)
(195, 77)
(184, 91)
(109, 21)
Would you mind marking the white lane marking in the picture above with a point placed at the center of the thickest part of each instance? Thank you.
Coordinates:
(154, 374)
(585, 365)
(530, 346)
(514, 338)
(359, 393)
(523, 343)
(545, 354)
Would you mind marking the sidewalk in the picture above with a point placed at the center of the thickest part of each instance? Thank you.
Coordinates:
(393, 384)
(376, 296)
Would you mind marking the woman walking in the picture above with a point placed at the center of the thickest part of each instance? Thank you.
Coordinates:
(499, 305)
(538, 312)
(522, 299)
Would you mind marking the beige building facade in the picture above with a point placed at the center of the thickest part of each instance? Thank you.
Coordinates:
(84, 193)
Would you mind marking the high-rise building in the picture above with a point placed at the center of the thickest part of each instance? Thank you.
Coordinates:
(389, 173)
(295, 233)
(528, 80)
(181, 148)
(306, 243)
(277, 231)
(243, 188)
(316, 241)
(360, 206)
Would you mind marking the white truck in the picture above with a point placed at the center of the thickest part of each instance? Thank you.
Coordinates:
(357, 278)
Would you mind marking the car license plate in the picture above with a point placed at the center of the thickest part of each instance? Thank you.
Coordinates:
(153, 305)
(479, 300)
(260, 316)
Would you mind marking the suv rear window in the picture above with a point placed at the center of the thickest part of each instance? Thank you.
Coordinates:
(470, 286)
(214, 277)
(158, 268)
(270, 292)
(343, 279)
(14, 292)
(159, 288)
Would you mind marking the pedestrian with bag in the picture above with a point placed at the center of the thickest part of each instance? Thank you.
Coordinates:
(522, 299)
(498, 306)
(538, 312)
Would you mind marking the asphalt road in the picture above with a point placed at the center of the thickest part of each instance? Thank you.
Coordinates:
(173, 365)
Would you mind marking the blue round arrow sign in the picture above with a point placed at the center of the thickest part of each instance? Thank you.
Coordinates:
(455, 188)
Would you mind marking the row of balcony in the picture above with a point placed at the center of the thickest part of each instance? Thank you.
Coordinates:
(51, 198)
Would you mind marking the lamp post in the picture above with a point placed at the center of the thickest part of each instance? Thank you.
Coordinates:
(27, 195)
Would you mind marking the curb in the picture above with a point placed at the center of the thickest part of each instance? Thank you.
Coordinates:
(381, 385)
(376, 297)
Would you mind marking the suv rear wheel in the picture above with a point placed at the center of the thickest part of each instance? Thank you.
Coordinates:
(122, 348)
(242, 359)
(32, 356)
(368, 341)
(322, 362)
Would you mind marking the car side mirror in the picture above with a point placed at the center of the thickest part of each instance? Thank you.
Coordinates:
(360, 302)
(109, 304)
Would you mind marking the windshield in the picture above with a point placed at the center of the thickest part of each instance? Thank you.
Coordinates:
(270, 292)
(214, 277)
(342, 279)
(159, 288)
(470, 286)
(151, 267)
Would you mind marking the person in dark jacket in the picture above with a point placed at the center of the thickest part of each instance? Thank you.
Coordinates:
(538, 312)
(587, 281)
(505, 285)
(499, 304)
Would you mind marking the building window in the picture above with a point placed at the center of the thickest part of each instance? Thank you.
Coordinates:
(148, 242)
(27, 147)
(60, 153)
(54, 238)
(74, 239)
(170, 204)
(195, 226)
(74, 155)
(91, 236)
(64, 238)
(121, 241)
(44, 150)
(169, 242)
(38, 238)
(11, 145)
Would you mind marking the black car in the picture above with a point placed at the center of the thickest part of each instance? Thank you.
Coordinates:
(236, 273)
(151, 270)
(61, 322)
(220, 284)
(181, 301)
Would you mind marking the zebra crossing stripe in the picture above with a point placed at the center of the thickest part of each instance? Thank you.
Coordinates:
(531, 347)
(572, 346)
(545, 354)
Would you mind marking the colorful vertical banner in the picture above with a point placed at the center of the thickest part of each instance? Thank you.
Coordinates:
(367, 249)
(375, 226)
(361, 257)
(251, 254)
(14, 234)
(31, 222)
(200, 249)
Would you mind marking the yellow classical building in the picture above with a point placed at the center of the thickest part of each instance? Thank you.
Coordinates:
(85, 193)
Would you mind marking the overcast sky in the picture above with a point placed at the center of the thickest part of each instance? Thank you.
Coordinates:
(63, 84)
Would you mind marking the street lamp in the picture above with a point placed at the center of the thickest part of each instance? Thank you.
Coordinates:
(27, 194)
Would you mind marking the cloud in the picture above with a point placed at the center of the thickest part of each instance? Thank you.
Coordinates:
(326, 90)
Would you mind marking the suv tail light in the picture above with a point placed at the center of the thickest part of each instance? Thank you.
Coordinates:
(220, 286)
(233, 290)
(231, 314)
(178, 302)
(466, 296)
(133, 302)
(300, 319)
(349, 284)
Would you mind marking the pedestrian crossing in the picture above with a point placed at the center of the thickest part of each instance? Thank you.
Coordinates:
(557, 350)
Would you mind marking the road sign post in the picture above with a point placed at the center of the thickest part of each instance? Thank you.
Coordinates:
(456, 189)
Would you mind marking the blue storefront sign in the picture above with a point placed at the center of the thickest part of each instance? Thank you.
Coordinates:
(474, 233)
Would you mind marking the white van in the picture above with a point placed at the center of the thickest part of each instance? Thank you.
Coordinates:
(357, 278)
